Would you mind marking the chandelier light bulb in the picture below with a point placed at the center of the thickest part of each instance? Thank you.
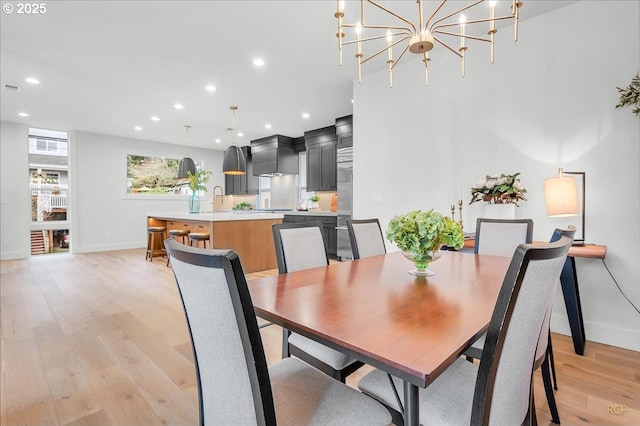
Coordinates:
(358, 28)
(341, 6)
(462, 20)
(389, 36)
(492, 4)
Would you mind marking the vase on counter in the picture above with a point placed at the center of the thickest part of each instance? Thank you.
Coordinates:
(194, 203)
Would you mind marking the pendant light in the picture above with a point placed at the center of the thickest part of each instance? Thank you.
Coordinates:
(186, 164)
(234, 162)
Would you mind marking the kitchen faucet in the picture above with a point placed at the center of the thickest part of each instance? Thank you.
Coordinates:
(213, 202)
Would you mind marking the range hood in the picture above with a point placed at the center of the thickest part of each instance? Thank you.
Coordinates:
(274, 155)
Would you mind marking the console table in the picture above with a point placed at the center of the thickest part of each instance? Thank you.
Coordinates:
(570, 290)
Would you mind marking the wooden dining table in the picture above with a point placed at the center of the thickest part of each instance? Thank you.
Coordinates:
(374, 310)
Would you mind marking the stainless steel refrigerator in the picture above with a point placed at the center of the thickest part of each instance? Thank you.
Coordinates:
(345, 200)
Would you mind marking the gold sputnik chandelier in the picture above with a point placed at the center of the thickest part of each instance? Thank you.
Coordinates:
(420, 38)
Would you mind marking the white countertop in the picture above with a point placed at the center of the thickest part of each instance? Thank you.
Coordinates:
(311, 213)
(217, 216)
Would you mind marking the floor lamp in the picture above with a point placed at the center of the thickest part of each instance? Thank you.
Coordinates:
(561, 196)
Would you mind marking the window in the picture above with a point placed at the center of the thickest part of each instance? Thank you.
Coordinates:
(49, 186)
(49, 176)
(48, 142)
(155, 175)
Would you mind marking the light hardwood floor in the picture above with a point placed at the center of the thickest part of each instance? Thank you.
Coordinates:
(101, 339)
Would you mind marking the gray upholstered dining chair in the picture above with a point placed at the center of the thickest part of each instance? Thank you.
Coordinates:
(500, 237)
(301, 246)
(544, 350)
(366, 237)
(498, 390)
(235, 386)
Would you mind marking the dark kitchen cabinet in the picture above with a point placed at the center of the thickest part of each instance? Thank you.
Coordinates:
(321, 159)
(274, 155)
(329, 231)
(344, 131)
(331, 235)
(242, 184)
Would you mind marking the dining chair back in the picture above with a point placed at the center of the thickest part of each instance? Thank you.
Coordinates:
(366, 237)
(301, 246)
(500, 237)
(504, 390)
(498, 390)
(235, 386)
(233, 382)
(544, 353)
(544, 349)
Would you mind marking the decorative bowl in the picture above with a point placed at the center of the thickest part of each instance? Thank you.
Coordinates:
(421, 262)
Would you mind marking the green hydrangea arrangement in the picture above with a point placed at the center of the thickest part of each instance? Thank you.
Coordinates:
(421, 233)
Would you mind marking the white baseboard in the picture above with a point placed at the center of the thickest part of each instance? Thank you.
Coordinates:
(14, 255)
(613, 336)
(108, 247)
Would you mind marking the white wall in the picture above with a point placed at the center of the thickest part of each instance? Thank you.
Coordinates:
(103, 217)
(547, 102)
(15, 207)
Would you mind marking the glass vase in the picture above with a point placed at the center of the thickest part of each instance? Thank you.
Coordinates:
(194, 203)
(422, 261)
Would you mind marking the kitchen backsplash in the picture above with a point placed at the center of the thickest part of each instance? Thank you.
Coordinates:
(232, 200)
(325, 200)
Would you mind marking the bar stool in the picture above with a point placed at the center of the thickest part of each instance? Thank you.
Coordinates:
(154, 232)
(173, 233)
(198, 236)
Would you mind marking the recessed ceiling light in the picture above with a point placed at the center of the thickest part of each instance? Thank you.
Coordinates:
(32, 80)
(154, 118)
(240, 134)
(138, 128)
(210, 88)
(23, 114)
(305, 115)
(351, 100)
(178, 106)
(218, 140)
(267, 126)
(258, 62)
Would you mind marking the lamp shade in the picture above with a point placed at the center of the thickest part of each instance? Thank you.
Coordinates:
(234, 162)
(186, 165)
(561, 196)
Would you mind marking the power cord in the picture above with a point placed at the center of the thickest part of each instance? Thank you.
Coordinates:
(619, 289)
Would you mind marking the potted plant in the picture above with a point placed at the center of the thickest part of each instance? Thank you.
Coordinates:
(244, 205)
(197, 183)
(500, 189)
(420, 235)
(630, 95)
(314, 202)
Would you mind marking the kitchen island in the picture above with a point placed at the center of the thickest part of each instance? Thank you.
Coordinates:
(248, 233)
